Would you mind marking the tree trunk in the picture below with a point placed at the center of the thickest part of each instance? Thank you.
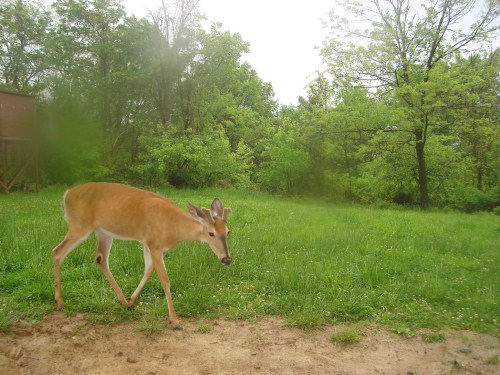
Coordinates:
(422, 171)
(479, 172)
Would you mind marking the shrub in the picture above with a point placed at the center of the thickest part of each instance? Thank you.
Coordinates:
(473, 200)
(195, 161)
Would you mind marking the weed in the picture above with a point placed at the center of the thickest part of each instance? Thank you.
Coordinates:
(457, 366)
(405, 331)
(204, 328)
(433, 337)
(494, 360)
(346, 336)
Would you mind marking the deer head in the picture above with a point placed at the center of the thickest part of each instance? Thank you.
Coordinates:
(215, 230)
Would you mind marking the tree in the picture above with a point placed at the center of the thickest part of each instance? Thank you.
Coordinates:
(336, 124)
(286, 168)
(397, 53)
(83, 44)
(103, 58)
(176, 23)
(23, 60)
(218, 89)
(216, 99)
(476, 112)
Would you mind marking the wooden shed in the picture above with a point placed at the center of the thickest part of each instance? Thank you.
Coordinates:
(18, 140)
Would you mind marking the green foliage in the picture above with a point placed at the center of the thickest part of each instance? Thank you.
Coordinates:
(309, 262)
(195, 161)
(408, 117)
(71, 148)
(286, 168)
(363, 148)
(472, 199)
(221, 90)
(410, 64)
(23, 59)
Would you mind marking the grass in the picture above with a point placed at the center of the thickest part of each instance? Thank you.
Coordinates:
(433, 337)
(204, 328)
(346, 336)
(494, 360)
(309, 262)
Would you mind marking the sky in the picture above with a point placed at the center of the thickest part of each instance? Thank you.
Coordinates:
(282, 34)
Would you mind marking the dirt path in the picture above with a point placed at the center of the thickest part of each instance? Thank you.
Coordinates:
(62, 345)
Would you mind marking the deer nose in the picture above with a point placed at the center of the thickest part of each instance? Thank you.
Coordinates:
(226, 261)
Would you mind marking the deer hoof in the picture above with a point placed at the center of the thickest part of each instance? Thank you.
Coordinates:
(176, 325)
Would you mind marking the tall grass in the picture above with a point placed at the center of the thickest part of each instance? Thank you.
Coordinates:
(307, 261)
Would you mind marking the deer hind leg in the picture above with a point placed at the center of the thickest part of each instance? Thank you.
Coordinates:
(73, 238)
(148, 270)
(102, 260)
(159, 265)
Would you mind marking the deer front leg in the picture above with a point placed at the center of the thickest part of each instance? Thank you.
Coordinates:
(159, 265)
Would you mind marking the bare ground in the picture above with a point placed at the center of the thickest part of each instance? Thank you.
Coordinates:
(69, 345)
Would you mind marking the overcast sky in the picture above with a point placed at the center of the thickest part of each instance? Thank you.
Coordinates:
(282, 36)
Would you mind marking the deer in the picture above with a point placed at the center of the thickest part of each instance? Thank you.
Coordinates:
(116, 211)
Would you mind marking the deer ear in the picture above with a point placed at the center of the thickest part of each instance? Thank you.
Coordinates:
(195, 211)
(217, 207)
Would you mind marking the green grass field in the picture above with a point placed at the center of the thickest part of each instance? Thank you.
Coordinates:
(310, 262)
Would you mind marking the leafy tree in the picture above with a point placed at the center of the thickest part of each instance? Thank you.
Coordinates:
(218, 89)
(471, 118)
(398, 52)
(475, 113)
(335, 124)
(286, 168)
(133, 110)
(23, 59)
(83, 43)
(104, 59)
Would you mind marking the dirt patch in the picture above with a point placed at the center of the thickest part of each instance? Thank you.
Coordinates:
(69, 345)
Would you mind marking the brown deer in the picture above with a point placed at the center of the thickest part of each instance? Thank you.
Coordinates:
(118, 211)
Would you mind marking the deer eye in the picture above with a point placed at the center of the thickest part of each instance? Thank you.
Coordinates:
(211, 234)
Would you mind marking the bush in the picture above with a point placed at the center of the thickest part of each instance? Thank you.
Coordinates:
(194, 161)
(473, 200)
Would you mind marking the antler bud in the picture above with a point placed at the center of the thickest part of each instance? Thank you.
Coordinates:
(208, 215)
(225, 214)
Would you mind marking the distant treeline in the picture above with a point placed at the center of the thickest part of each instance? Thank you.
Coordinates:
(406, 110)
